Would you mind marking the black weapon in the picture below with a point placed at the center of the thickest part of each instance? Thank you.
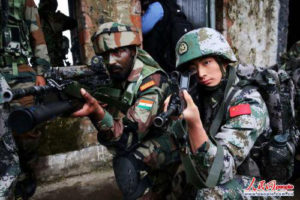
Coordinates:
(61, 82)
(177, 103)
(24, 119)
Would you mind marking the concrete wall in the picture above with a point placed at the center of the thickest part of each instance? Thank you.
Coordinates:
(251, 26)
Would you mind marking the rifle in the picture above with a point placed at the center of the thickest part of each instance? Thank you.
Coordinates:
(66, 84)
(177, 103)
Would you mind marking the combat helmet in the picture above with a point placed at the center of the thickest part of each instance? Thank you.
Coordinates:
(202, 42)
(112, 35)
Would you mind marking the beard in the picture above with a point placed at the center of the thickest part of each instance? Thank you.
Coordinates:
(121, 74)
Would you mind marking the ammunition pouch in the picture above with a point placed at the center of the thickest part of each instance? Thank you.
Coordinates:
(15, 40)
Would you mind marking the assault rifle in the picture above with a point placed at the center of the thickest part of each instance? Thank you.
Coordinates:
(179, 82)
(65, 83)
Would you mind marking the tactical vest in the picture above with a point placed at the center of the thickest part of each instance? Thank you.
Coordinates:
(123, 99)
(15, 43)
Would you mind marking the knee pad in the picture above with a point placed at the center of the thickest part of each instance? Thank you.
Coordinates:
(128, 178)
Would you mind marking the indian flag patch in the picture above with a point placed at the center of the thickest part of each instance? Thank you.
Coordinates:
(145, 104)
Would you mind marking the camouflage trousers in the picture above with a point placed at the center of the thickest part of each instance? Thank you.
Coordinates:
(21, 156)
(233, 190)
(9, 160)
(161, 156)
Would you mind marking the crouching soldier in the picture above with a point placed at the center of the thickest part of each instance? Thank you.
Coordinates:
(139, 87)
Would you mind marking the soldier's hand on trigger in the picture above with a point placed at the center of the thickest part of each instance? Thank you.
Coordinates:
(91, 107)
(190, 113)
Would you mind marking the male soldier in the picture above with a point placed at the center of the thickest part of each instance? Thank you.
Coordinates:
(53, 24)
(20, 38)
(135, 97)
(220, 136)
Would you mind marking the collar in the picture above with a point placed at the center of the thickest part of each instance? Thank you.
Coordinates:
(136, 70)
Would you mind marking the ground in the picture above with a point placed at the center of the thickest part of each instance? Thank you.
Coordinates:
(93, 186)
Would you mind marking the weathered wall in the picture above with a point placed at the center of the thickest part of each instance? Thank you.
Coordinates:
(251, 26)
(91, 13)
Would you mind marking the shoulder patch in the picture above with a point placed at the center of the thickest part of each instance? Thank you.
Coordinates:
(145, 104)
(147, 85)
(241, 109)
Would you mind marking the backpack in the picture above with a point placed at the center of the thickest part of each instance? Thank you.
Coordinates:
(274, 150)
(160, 42)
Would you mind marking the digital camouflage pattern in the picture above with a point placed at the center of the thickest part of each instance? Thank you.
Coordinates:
(9, 165)
(53, 24)
(23, 21)
(253, 74)
(123, 35)
(202, 42)
(290, 62)
(237, 134)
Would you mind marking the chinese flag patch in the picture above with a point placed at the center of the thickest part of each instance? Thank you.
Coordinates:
(147, 85)
(241, 109)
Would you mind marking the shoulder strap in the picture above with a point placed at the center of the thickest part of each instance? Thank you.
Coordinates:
(192, 174)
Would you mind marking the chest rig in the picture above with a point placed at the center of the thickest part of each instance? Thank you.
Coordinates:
(15, 43)
(123, 99)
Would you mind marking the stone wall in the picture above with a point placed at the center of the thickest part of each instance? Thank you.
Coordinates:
(251, 27)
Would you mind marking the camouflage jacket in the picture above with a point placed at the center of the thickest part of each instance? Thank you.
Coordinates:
(23, 14)
(245, 119)
(149, 92)
(290, 61)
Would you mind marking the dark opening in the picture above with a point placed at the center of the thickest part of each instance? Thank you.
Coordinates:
(294, 17)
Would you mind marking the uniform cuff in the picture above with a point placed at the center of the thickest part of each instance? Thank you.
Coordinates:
(107, 122)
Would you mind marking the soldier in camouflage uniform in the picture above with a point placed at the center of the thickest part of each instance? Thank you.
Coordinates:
(136, 96)
(20, 38)
(290, 62)
(53, 24)
(226, 146)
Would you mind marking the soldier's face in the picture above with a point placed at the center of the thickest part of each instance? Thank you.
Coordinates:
(208, 71)
(119, 62)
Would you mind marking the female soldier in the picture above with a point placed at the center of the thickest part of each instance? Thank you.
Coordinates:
(223, 120)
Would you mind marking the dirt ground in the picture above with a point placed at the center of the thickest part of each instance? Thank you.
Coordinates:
(94, 186)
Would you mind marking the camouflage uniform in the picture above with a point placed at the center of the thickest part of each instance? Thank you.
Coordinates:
(290, 62)
(20, 37)
(127, 127)
(53, 24)
(239, 129)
